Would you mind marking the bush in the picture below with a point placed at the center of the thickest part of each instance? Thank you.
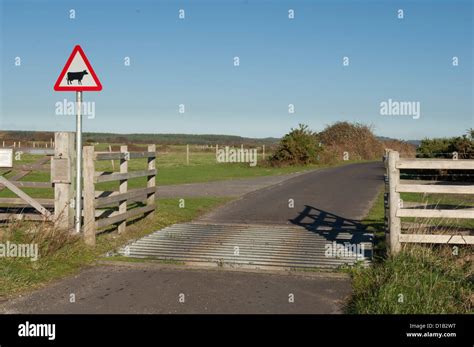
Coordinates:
(444, 147)
(302, 146)
(354, 138)
(406, 150)
(298, 147)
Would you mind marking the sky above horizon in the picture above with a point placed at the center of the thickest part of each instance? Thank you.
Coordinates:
(282, 61)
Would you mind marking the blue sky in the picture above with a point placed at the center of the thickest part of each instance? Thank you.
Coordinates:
(282, 61)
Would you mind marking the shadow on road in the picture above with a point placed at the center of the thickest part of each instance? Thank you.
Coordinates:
(333, 227)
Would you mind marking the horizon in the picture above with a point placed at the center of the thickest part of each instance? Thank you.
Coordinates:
(208, 134)
(283, 61)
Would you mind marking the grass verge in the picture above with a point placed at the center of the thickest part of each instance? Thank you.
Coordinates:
(62, 255)
(418, 280)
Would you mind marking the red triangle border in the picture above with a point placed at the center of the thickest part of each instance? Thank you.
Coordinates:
(72, 88)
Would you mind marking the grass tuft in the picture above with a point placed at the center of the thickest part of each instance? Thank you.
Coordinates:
(421, 279)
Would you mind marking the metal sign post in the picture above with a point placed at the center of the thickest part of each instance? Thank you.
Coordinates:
(78, 76)
(79, 162)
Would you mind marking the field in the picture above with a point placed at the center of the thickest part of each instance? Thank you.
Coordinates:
(172, 168)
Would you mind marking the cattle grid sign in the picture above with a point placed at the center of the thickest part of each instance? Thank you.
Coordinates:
(78, 76)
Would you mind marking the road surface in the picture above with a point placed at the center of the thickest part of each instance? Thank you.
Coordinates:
(333, 199)
(153, 288)
(329, 196)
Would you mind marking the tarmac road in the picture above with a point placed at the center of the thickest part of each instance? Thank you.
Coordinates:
(336, 198)
(334, 195)
(154, 288)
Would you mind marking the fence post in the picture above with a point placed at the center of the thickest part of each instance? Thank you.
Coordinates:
(88, 174)
(187, 154)
(394, 200)
(123, 188)
(62, 172)
(386, 198)
(151, 182)
(112, 161)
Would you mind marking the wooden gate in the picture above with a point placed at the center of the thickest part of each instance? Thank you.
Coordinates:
(102, 209)
(59, 162)
(23, 206)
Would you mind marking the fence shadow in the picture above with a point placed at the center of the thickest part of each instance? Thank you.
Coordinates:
(332, 226)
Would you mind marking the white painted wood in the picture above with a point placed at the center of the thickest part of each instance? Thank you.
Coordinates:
(448, 239)
(436, 213)
(460, 164)
(430, 188)
(394, 200)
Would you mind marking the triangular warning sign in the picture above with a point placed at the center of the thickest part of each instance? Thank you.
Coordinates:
(77, 74)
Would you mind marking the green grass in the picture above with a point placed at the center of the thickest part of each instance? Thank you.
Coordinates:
(374, 223)
(418, 280)
(172, 169)
(20, 274)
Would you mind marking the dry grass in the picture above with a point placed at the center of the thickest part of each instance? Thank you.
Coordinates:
(421, 279)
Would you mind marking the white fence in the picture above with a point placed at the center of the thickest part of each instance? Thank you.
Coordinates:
(395, 209)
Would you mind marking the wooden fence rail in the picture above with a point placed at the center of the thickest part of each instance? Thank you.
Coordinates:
(394, 205)
(100, 207)
(16, 208)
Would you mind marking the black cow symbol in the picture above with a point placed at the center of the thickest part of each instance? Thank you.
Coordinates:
(71, 76)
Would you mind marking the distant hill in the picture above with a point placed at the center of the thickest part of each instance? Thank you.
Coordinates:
(166, 139)
(412, 142)
(206, 139)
